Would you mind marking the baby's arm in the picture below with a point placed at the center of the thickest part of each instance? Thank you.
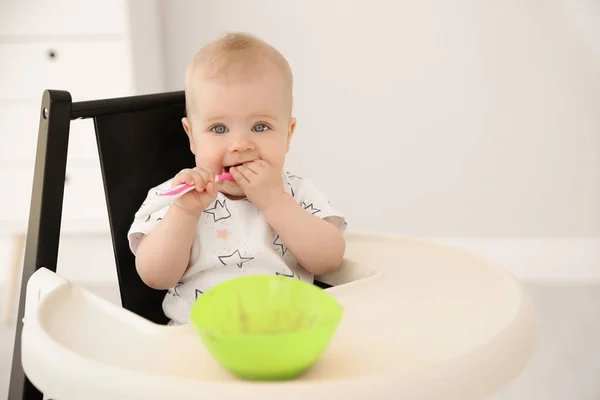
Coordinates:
(317, 244)
(163, 255)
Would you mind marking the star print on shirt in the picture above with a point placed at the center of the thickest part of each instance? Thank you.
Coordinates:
(278, 242)
(153, 195)
(223, 234)
(199, 292)
(310, 208)
(219, 211)
(293, 275)
(235, 258)
(177, 287)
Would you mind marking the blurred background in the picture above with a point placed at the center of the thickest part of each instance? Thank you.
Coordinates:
(473, 123)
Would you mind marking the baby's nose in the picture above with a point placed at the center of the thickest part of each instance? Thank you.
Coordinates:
(240, 144)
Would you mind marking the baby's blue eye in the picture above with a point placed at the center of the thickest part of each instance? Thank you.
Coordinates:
(220, 129)
(260, 128)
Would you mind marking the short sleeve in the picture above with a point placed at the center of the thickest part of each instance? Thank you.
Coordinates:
(314, 201)
(145, 225)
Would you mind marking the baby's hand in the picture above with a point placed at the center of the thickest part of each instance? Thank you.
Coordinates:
(195, 201)
(260, 181)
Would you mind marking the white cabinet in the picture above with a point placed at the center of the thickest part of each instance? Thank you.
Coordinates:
(91, 49)
(94, 50)
(89, 70)
(71, 19)
(18, 135)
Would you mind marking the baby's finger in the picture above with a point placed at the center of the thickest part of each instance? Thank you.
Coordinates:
(262, 163)
(207, 175)
(211, 189)
(238, 176)
(253, 166)
(194, 179)
(182, 177)
(247, 172)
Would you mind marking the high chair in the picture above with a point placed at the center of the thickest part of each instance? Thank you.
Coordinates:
(421, 320)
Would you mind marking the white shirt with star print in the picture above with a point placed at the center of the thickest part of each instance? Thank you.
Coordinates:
(234, 239)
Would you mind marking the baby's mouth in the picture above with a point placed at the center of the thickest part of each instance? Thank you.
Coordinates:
(227, 168)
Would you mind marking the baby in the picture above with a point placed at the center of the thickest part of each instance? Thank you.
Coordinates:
(267, 221)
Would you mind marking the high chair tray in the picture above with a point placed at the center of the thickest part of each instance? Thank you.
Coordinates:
(421, 321)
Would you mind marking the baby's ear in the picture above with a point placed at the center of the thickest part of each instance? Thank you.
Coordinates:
(188, 130)
(291, 128)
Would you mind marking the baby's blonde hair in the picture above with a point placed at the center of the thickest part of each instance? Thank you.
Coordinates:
(239, 56)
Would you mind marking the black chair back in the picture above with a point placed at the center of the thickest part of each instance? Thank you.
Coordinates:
(138, 149)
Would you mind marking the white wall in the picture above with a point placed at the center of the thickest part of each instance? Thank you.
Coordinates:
(445, 119)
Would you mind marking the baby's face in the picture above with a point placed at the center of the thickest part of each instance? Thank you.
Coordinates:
(237, 121)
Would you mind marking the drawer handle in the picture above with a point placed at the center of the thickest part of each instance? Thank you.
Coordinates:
(52, 54)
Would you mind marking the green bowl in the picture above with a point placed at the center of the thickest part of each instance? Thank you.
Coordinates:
(266, 327)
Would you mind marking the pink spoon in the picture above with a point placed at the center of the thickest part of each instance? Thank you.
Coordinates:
(163, 199)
